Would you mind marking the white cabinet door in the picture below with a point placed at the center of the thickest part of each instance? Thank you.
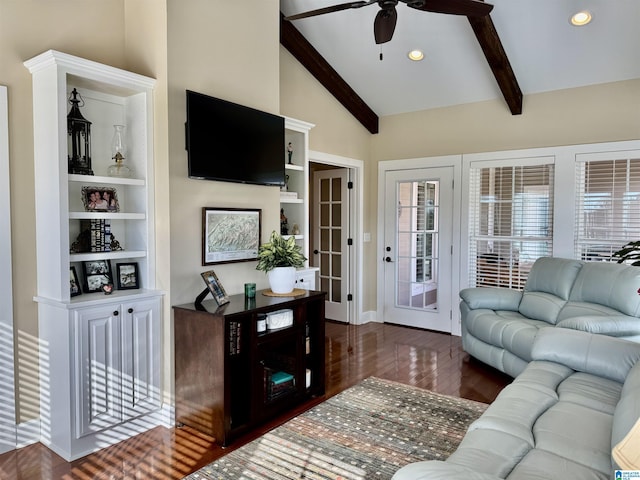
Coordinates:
(140, 357)
(97, 367)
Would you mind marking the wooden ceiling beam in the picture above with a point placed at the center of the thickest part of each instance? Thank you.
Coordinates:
(491, 45)
(310, 58)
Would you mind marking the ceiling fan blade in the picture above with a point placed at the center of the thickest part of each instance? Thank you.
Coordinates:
(333, 8)
(385, 24)
(469, 8)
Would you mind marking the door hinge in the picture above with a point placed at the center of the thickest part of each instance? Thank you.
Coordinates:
(451, 249)
(349, 185)
(450, 314)
(349, 297)
(349, 241)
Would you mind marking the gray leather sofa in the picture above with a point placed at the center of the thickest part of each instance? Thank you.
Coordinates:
(499, 325)
(558, 420)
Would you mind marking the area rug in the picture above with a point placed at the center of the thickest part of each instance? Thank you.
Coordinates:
(367, 432)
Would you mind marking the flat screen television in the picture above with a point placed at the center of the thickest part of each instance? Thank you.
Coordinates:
(233, 143)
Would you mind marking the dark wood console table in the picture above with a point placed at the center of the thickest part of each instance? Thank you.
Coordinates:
(229, 377)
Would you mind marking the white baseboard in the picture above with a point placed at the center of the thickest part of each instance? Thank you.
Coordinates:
(28, 433)
(366, 317)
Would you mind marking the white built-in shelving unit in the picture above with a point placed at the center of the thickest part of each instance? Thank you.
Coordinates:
(99, 354)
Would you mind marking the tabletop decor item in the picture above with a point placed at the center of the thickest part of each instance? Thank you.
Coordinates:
(100, 199)
(97, 274)
(79, 137)
(279, 258)
(127, 276)
(118, 152)
(215, 287)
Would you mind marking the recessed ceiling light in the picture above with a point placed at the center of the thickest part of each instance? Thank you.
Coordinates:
(581, 18)
(415, 55)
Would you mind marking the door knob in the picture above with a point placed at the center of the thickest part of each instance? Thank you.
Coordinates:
(315, 252)
(388, 259)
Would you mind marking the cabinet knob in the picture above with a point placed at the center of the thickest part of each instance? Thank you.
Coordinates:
(116, 313)
(130, 310)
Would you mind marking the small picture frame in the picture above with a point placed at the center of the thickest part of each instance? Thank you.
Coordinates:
(100, 199)
(74, 283)
(97, 274)
(127, 274)
(216, 288)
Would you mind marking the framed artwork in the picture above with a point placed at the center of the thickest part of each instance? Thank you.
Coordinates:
(100, 199)
(74, 284)
(230, 235)
(97, 274)
(215, 287)
(127, 274)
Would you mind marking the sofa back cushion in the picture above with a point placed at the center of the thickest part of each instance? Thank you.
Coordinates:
(609, 284)
(548, 287)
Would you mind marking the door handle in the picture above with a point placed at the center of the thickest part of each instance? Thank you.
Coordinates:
(388, 259)
(315, 252)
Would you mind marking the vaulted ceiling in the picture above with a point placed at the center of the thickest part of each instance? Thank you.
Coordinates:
(523, 47)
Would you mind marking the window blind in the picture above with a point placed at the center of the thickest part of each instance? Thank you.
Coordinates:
(607, 203)
(511, 221)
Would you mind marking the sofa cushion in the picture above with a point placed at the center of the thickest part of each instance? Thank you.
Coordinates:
(609, 284)
(505, 452)
(541, 306)
(589, 391)
(543, 465)
(585, 352)
(553, 275)
(615, 325)
(584, 435)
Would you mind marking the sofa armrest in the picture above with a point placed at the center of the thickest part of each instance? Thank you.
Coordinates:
(492, 298)
(439, 470)
(612, 325)
(600, 355)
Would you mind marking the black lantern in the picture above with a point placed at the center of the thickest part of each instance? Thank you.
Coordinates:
(79, 135)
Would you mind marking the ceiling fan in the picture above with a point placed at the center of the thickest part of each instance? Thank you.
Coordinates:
(385, 22)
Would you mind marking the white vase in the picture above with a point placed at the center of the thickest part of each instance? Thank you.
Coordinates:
(282, 279)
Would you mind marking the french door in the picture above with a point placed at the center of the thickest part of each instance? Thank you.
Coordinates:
(418, 239)
(331, 250)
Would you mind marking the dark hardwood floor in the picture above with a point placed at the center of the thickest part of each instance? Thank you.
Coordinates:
(425, 359)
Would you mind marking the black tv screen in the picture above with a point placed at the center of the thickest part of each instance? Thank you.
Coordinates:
(233, 143)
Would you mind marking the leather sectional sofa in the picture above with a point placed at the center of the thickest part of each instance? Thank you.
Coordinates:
(558, 420)
(576, 391)
(499, 325)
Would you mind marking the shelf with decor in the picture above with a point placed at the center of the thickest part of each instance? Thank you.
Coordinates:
(99, 312)
(294, 197)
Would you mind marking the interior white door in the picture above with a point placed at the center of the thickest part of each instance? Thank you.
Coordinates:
(418, 236)
(7, 396)
(330, 245)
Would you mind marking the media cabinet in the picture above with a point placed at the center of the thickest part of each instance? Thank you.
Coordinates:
(227, 373)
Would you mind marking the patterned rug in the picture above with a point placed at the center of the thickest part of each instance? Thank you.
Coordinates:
(366, 432)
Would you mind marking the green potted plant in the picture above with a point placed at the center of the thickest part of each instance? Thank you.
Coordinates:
(629, 253)
(279, 258)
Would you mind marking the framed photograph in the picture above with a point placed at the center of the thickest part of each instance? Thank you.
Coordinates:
(127, 274)
(230, 235)
(100, 199)
(216, 288)
(74, 283)
(97, 273)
